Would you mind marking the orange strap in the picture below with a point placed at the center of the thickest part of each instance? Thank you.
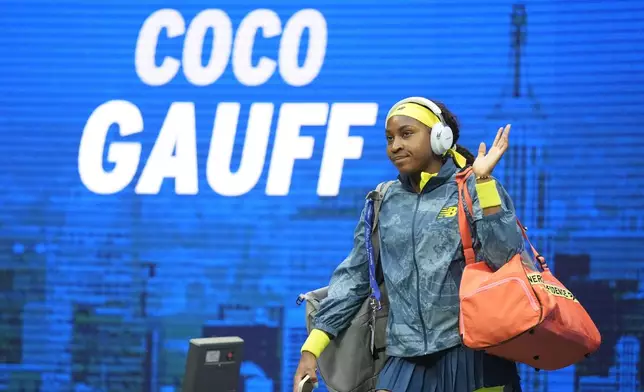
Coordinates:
(465, 199)
(540, 259)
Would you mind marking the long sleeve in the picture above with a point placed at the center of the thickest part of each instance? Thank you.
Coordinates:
(498, 237)
(348, 288)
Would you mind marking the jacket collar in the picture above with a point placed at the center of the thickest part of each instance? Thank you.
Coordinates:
(445, 173)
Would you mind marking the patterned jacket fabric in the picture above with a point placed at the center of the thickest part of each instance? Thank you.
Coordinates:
(422, 260)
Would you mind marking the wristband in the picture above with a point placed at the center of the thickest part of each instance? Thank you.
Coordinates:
(316, 342)
(488, 194)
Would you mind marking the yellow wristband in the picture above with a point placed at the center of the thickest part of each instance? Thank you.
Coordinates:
(316, 342)
(488, 194)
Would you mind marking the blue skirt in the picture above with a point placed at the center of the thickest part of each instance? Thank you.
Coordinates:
(457, 369)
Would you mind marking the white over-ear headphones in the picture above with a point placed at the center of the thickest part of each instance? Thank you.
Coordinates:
(441, 137)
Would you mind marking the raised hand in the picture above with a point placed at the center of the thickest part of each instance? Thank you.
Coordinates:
(485, 163)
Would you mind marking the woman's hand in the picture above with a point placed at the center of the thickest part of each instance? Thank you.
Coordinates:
(307, 366)
(485, 163)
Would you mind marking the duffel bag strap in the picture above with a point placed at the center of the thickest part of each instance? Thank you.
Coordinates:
(465, 199)
(537, 255)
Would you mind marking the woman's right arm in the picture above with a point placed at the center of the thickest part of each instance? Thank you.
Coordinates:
(348, 288)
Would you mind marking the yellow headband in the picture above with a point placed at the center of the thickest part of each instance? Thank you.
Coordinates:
(417, 112)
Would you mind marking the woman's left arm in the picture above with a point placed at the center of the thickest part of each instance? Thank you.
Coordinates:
(498, 237)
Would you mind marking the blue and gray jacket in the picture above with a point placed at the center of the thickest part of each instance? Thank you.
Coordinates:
(422, 261)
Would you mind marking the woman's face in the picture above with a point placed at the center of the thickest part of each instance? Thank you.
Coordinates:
(408, 144)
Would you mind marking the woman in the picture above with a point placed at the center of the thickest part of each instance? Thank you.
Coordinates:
(422, 258)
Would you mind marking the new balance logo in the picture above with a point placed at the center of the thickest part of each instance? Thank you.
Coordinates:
(448, 212)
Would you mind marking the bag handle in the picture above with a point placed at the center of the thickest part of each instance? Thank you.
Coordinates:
(465, 199)
(537, 255)
(372, 239)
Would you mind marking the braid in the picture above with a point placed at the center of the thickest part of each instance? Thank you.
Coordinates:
(469, 157)
(452, 122)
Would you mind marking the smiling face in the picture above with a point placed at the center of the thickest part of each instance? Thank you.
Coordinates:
(408, 144)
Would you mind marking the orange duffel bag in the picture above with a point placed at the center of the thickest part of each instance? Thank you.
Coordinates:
(518, 312)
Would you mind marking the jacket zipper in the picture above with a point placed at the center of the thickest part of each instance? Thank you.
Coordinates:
(413, 244)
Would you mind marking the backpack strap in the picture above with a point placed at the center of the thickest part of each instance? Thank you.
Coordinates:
(381, 189)
(372, 238)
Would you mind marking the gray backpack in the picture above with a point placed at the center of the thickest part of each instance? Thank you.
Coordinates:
(354, 358)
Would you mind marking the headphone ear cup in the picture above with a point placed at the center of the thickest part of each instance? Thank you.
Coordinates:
(441, 138)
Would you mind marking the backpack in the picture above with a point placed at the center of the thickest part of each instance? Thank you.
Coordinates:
(353, 359)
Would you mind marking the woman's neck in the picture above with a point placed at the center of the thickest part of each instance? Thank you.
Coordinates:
(432, 168)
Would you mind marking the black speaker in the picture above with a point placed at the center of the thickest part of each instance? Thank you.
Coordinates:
(213, 364)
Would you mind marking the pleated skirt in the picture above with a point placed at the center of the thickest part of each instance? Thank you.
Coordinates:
(457, 369)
